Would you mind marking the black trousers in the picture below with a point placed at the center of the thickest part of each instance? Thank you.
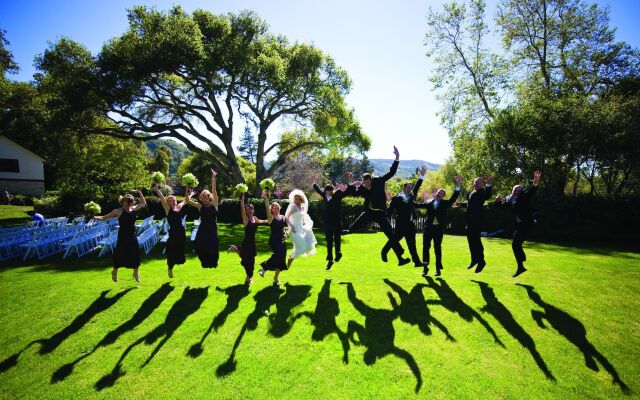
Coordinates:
(408, 232)
(333, 235)
(380, 217)
(519, 236)
(475, 244)
(435, 233)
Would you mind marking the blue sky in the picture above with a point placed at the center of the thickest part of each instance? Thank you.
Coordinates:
(379, 43)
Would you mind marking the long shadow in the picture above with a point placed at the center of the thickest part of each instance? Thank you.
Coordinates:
(144, 311)
(234, 294)
(282, 320)
(574, 331)
(452, 302)
(378, 334)
(323, 319)
(188, 304)
(48, 345)
(505, 318)
(264, 299)
(413, 309)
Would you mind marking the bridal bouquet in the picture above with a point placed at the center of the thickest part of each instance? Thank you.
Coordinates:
(267, 184)
(189, 180)
(92, 207)
(157, 178)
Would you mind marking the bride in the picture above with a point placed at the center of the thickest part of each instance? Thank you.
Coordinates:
(300, 226)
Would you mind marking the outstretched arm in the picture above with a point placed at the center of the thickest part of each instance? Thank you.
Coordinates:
(267, 207)
(190, 201)
(113, 214)
(394, 166)
(488, 192)
(318, 190)
(162, 200)
(214, 192)
(531, 190)
(243, 213)
(416, 187)
(456, 191)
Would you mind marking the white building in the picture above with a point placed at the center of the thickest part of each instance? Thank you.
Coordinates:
(21, 170)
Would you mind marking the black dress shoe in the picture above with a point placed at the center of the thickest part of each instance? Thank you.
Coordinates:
(519, 271)
(425, 271)
(437, 272)
(480, 267)
(338, 256)
(473, 264)
(383, 256)
(403, 261)
(329, 265)
(417, 264)
(345, 232)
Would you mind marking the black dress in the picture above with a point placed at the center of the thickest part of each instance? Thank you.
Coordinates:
(176, 241)
(127, 251)
(278, 247)
(206, 243)
(248, 248)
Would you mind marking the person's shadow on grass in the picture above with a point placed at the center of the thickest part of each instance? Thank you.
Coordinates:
(452, 302)
(505, 318)
(413, 309)
(188, 304)
(234, 294)
(49, 344)
(574, 331)
(144, 311)
(323, 319)
(378, 334)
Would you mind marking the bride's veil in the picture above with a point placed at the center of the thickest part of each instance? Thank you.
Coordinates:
(304, 207)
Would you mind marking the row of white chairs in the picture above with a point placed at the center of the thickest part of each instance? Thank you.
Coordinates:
(86, 240)
(48, 243)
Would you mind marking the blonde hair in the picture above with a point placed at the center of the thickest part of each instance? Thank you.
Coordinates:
(207, 194)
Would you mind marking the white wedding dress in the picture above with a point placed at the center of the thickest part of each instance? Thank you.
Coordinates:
(303, 239)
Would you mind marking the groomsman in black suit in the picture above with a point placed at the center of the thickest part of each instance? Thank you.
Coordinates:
(332, 226)
(475, 218)
(434, 227)
(403, 206)
(372, 189)
(520, 203)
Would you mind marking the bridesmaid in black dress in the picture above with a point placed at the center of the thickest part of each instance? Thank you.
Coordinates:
(247, 251)
(278, 260)
(127, 251)
(176, 241)
(206, 243)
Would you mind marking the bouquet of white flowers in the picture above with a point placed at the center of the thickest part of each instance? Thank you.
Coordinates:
(92, 207)
(157, 178)
(189, 180)
(267, 184)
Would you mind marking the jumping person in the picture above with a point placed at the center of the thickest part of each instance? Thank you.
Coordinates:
(403, 206)
(278, 260)
(176, 241)
(127, 251)
(434, 226)
(247, 251)
(206, 243)
(475, 218)
(372, 189)
(332, 225)
(300, 226)
(520, 203)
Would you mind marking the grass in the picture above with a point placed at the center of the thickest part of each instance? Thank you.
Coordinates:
(13, 215)
(365, 329)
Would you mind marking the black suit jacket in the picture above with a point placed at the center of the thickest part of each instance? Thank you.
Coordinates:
(376, 197)
(405, 210)
(332, 207)
(441, 211)
(475, 206)
(522, 208)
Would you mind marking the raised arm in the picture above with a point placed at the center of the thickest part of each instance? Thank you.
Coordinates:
(318, 190)
(530, 191)
(214, 192)
(143, 202)
(267, 207)
(243, 213)
(394, 166)
(456, 192)
(416, 187)
(162, 200)
(190, 201)
(488, 191)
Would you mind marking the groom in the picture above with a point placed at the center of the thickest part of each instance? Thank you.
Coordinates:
(372, 189)
(332, 226)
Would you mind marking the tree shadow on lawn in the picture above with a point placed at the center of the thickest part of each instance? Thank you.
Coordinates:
(144, 311)
(505, 318)
(589, 248)
(281, 321)
(574, 331)
(188, 304)
(48, 345)
(323, 319)
(452, 302)
(234, 294)
(378, 334)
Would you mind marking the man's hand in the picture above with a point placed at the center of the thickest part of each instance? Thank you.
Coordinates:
(396, 152)
(499, 198)
(423, 170)
(536, 177)
(357, 183)
(458, 180)
(490, 179)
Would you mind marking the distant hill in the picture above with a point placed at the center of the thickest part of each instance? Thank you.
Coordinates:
(178, 152)
(406, 169)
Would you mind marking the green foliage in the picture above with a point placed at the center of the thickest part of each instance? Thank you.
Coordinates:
(161, 160)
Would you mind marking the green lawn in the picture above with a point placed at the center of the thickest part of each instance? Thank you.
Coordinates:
(12, 215)
(565, 329)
